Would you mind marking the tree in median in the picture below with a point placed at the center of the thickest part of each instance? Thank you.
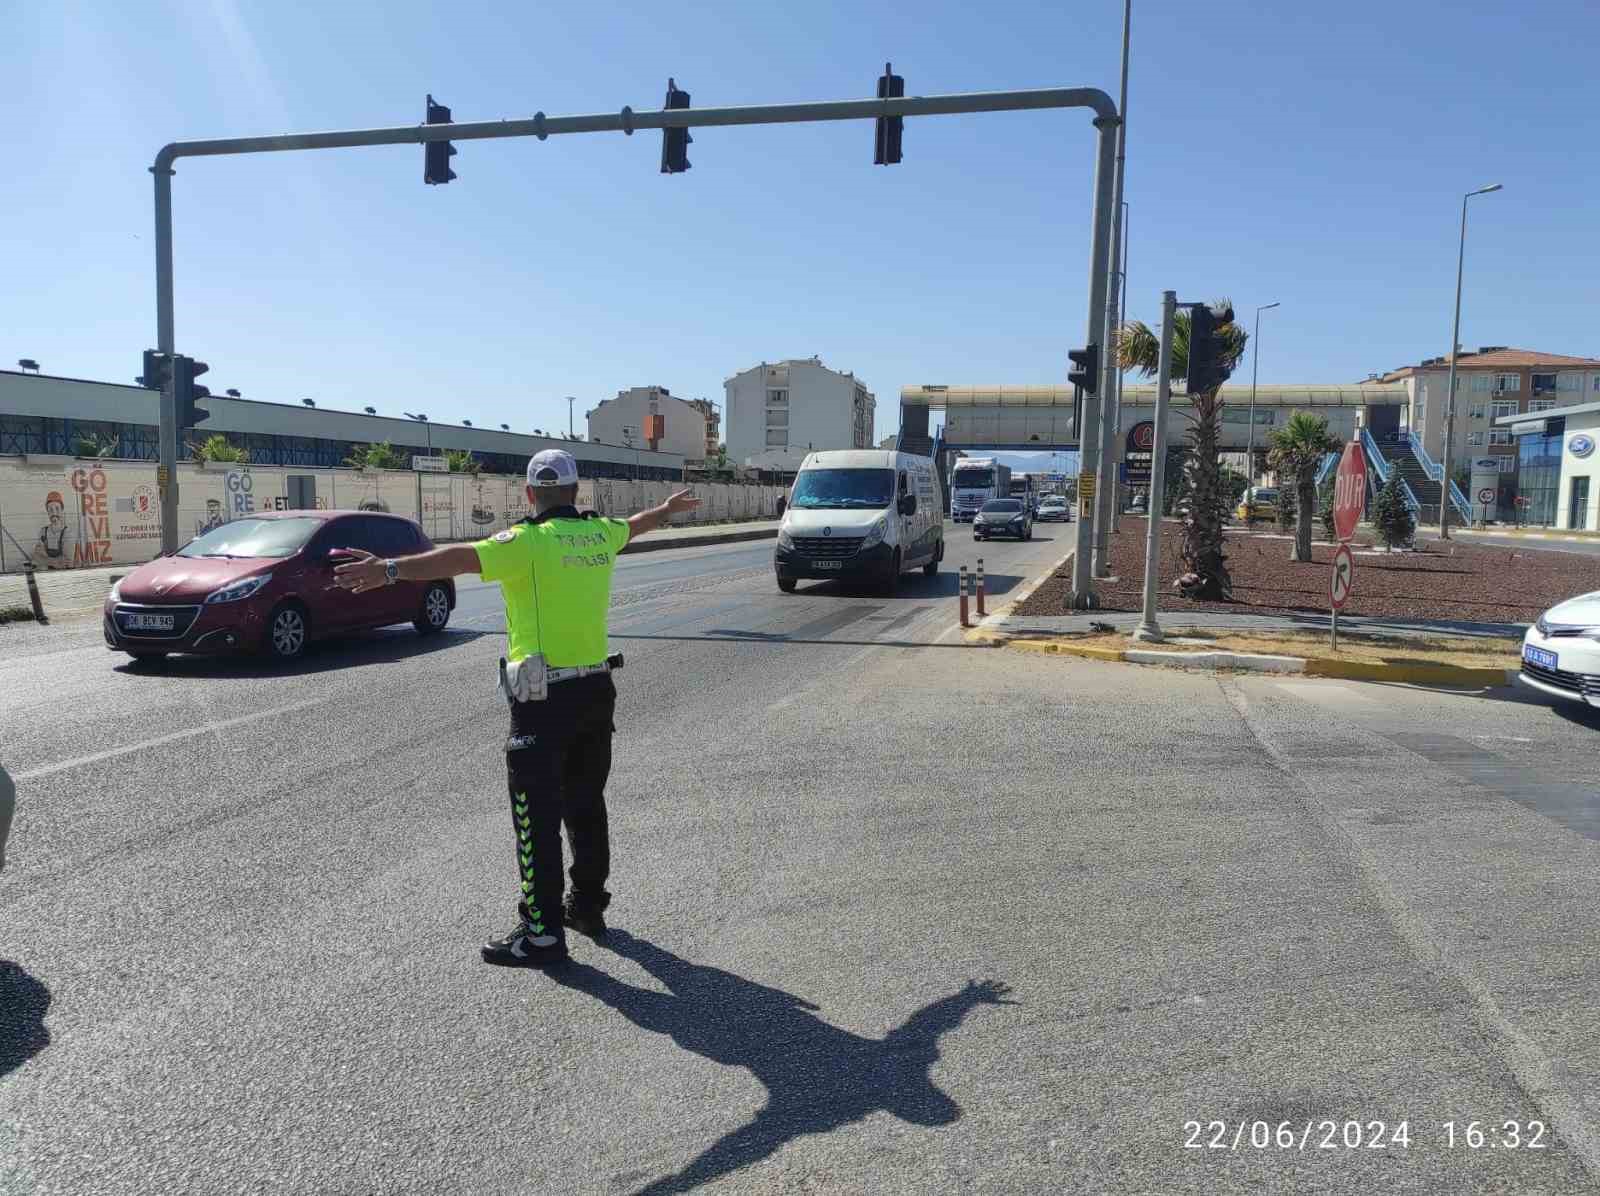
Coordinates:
(1297, 450)
(1205, 504)
(1391, 514)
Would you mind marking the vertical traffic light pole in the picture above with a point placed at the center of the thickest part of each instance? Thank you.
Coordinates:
(1095, 405)
(628, 121)
(167, 470)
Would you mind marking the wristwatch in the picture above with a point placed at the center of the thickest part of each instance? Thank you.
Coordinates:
(391, 571)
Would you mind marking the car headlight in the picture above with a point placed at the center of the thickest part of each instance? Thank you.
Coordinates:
(785, 540)
(1542, 626)
(239, 590)
(116, 591)
(1016, 519)
(875, 533)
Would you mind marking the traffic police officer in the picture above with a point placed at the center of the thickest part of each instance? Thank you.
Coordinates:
(554, 570)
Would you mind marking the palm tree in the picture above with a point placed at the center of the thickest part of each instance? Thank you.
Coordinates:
(1204, 505)
(1297, 450)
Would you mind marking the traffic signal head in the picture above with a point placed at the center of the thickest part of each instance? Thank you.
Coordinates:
(1202, 373)
(436, 155)
(1087, 375)
(886, 138)
(675, 142)
(184, 372)
(157, 370)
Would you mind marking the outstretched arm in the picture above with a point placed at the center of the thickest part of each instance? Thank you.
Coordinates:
(365, 571)
(648, 521)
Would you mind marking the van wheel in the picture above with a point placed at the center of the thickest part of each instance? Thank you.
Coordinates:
(787, 584)
(435, 612)
(893, 579)
(287, 632)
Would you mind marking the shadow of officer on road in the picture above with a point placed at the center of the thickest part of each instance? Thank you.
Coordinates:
(23, 1000)
(818, 1077)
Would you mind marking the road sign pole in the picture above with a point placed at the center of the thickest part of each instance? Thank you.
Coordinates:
(1335, 613)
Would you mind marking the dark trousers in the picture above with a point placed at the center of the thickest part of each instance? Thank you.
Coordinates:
(557, 760)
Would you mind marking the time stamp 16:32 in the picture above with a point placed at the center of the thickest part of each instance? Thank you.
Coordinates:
(1353, 1134)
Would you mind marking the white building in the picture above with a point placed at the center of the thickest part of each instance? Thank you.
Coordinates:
(780, 411)
(623, 420)
(1559, 477)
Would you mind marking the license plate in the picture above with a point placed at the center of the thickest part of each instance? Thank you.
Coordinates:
(147, 622)
(827, 564)
(1538, 656)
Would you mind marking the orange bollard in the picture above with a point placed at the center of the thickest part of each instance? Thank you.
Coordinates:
(965, 622)
(981, 611)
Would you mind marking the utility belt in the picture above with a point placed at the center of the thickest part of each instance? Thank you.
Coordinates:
(529, 679)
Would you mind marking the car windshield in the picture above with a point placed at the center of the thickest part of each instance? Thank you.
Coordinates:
(1265, 495)
(1001, 505)
(843, 489)
(1053, 502)
(974, 477)
(253, 538)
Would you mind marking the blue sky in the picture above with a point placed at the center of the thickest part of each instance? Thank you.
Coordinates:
(1310, 154)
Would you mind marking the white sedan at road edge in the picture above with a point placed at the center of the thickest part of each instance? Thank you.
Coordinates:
(1561, 652)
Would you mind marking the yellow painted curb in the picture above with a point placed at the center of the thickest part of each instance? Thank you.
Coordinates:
(1404, 674)
(1066, 649)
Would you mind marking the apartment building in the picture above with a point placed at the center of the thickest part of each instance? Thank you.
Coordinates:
(780, 411)
(625, 420)
(1495, 382)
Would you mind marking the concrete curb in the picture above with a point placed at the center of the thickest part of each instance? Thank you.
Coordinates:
(1245, 662)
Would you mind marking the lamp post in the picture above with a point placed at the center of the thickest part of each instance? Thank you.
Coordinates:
(423, 420)
(1450, 386)
(571, 399)
(1255, 341)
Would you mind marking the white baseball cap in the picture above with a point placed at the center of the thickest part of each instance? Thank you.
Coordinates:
(553, 467)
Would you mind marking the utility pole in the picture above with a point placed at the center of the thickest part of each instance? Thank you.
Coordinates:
(1450, 386)
(1255, 347)
(570, 401)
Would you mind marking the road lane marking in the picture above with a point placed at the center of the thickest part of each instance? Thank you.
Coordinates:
(145, 744)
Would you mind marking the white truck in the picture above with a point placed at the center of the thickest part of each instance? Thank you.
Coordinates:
(976, 481)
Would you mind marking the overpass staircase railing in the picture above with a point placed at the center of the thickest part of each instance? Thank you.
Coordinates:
(1381, 468)
(1435, 472)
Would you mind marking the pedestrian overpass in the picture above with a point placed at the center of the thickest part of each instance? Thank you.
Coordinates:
(1043, 419)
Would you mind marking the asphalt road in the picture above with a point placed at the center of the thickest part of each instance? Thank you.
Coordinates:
(894, 914)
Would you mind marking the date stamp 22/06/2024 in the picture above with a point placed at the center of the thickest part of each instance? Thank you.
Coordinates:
(1356, 1134)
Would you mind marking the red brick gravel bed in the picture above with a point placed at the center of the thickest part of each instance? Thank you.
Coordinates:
(1454, 581)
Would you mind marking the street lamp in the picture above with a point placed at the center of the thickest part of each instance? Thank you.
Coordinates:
(27, 363)
(1255, 340)
(422, 418)
(1450, 386)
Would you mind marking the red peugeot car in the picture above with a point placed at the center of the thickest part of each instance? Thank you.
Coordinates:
(265, 583)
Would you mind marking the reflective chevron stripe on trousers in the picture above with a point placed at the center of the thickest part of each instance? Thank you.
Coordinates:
(558, 758)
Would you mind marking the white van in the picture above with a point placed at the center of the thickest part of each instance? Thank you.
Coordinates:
(861, 513)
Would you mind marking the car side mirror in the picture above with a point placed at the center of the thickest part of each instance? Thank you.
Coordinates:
(908, 504)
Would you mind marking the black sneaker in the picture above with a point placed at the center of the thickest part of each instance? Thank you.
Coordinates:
(522, 948)
(584, 917)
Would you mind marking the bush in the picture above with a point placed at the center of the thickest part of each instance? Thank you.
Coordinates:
(218, 448)
(1391, 516)
(376, 456)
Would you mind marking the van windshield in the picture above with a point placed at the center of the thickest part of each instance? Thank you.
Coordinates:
(843, 489)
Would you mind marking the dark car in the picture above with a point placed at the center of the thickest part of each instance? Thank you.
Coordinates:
(265, 582)
(1003, 517)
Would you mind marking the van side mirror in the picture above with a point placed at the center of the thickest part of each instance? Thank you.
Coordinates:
(908, 504)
